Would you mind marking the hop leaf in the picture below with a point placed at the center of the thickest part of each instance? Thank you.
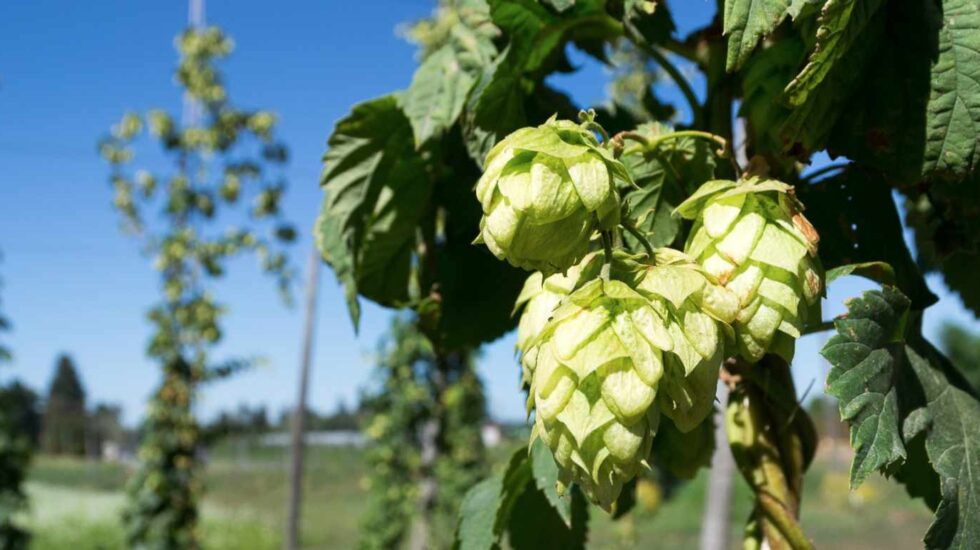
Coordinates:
(615, 353)
(753, 238)
(544, 191)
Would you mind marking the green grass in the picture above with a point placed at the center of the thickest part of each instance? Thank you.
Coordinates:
(76, 505)
(879, 515)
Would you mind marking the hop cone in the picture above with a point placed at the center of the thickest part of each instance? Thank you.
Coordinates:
(753, 238)
(544, 191)
(540, 297)
(612, 351)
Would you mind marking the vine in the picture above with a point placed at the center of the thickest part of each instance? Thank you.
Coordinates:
(400, 412)
(219, 164)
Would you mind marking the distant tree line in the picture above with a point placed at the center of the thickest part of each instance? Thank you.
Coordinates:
(247, 420)
(61, 423)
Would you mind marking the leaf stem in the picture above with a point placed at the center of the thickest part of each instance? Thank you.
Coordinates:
(722, 142)
(631, 228)
(608, 254)
(675, 74)
(588, 122)
(682, 83)
(592, 125)
(820, 327)
(822, 171)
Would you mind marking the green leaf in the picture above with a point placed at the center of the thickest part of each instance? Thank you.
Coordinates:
(927, 125)
(865, 354)
(664, 178)
(470, 277)
(764, 78)
(534, 524)
(438, 92)
(442, 82)
(376, 189)
(477, 515)
(473, 280)
(683, 454)
(935, 415)
(879, 272)
(959, 273)
(747, 22)
(534, 33)
(560, 5)
(328, 234)
(486, 509)
(858, 222)
(842, 24)
(819, 102)
(953, 114)
(953, 446)
(497, 105)
(546, 478)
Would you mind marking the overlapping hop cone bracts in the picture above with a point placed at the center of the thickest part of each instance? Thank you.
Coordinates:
(752, 236)
(544, 191)
(539, 298)
(615, 354)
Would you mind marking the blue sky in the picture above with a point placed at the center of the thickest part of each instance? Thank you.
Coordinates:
(74, 283)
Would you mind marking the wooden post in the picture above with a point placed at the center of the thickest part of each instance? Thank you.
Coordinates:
(296, 447)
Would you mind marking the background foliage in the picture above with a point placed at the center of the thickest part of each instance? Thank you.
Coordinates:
(398, 413)
(223, 168)
(887, 87)
(15, 456)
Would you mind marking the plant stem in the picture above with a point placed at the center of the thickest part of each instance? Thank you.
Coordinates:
(722, 142)
(783, 519)
(821, 171)
(607, 251)
(631, 228)
(822, 326)
(682, 83)
(672, 71)
(773, 443)
(595, 126)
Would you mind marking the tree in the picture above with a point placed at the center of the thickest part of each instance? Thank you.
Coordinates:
(15, 456)
(64, 411)
(659, 262)
(245, 420)
(104, 426)
(225, 167)
(23, 406)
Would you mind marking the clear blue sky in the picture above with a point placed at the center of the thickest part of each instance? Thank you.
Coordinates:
(73, 283)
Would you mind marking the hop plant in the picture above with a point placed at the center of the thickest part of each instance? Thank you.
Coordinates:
(615, 354)
(544, 191)
(752, 236)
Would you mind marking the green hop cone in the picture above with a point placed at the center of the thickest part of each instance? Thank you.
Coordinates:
(544, 191)
(753, 237)
(614, 355)
(539, 298)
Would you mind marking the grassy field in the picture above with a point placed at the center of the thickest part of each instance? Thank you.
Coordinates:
(75, 504)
